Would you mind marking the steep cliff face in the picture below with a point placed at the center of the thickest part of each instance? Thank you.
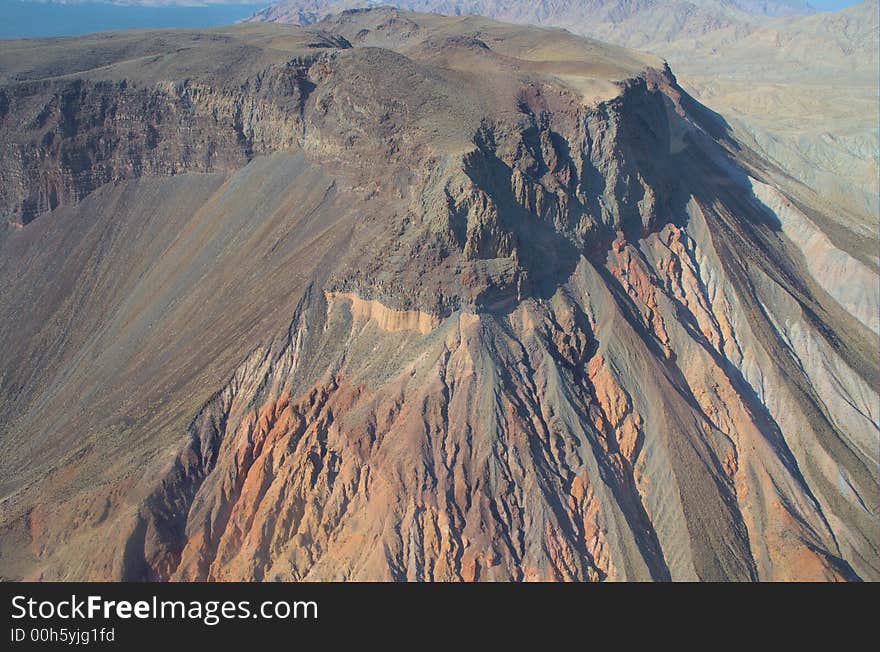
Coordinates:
(66, 136)
(482, 303)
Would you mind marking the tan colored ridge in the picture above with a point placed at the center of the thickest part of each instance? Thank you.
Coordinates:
(385, 318)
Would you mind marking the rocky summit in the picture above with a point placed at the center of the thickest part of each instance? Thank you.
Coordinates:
(397, 296)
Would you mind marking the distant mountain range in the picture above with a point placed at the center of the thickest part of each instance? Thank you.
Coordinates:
(770, 8)
(634, 22)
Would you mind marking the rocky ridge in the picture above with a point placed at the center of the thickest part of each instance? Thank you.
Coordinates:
(799, 86)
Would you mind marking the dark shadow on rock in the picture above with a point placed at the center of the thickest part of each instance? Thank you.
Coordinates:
(545, 257)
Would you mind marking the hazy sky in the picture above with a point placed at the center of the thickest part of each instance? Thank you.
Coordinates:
(831, 4)
(819, 4)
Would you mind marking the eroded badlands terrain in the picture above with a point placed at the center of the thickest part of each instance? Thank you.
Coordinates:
(398, 296)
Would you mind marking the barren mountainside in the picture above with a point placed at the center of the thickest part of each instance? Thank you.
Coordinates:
(801, 87)
(398, 296)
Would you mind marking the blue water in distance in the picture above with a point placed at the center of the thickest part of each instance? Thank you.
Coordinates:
(21, 19)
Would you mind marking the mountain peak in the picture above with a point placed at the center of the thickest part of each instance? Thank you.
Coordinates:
(400, 296)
